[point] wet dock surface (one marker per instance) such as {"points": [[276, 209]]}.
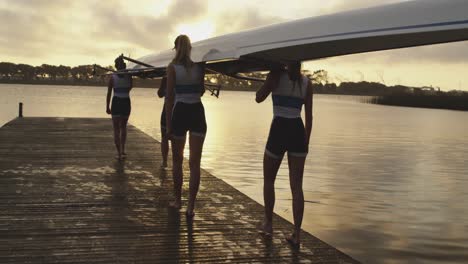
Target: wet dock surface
{"points": [[64, 198]]}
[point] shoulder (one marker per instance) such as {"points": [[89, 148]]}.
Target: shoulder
{"points": [[171, 67], [170, 70]]}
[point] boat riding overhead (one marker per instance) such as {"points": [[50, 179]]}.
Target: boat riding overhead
{"points": [[407, 24]]}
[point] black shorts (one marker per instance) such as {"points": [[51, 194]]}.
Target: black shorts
{"points": [[286, 134], [121, 107], [162, 122], [188, 117]]}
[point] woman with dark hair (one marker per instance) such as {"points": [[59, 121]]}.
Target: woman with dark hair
{"points": [[290, 90], [120, 85], [185, 113]]}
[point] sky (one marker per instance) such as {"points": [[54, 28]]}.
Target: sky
{"points": [[90, 31]]}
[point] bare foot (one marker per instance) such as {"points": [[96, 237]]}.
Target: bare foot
{"points": [[175, 205], [189, 214], [294, 240], [265, 228]]}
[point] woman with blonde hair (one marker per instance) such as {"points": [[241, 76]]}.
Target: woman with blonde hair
{"points": [[289, 90], [185, 113]]}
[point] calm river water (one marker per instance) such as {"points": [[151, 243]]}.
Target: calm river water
{"points": [[384, 184]]}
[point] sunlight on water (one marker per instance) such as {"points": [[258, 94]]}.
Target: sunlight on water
{"points": [[383, 184]]}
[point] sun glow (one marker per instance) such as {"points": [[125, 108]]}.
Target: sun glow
{"points": [[197, 31]]}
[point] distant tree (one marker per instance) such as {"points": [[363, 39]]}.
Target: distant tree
{"points": [[50, 71], [39, 72], [318, 76], [26, 72], [64, 71], [399, 89], [82, 72], [330, 88], [7, 69], [363, 88], [75, 73], [86, 71]]}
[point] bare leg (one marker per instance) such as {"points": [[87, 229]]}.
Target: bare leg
{"points": [[164, 150], [196, 148], [296, 173], [270, 169], [116, 124], [177, 172], [123, 134]]}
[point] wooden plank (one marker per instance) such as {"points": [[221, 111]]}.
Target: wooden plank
{"points": [[65, 199]]}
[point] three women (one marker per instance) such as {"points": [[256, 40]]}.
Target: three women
{"points": [[184, 112]]}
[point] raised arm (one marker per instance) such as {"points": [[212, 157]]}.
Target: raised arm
{"points": [[170, 95], [308, 111], [110, 84], [162, 87], [270, 83]]}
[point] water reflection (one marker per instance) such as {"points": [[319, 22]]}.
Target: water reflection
{"points": [[119, 191], [384, 184]]}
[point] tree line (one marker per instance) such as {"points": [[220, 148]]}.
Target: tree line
{"points": [[12, 71], [83, 75]]}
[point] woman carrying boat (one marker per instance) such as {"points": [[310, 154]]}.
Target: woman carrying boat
{"points": [[185, 113], [290, 90], [120, 85], [164, 139]]}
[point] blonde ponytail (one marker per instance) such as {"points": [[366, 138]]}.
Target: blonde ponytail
{"points": [[183, 49]]}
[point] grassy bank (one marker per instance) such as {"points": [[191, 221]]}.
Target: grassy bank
{"points": [[452, 101]]}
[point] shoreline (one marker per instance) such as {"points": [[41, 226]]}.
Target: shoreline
{"points": [[456, 102]]}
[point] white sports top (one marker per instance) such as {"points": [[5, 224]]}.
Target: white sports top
{"points": [[187, 84], [122, 85], [288, 97]]}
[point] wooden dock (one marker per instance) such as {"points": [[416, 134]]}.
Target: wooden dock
{"points": [[65, 199]]}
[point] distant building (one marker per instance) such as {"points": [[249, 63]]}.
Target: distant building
{"points": [[428, 90], [424, 90]]}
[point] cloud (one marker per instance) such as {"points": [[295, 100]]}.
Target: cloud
{"points": [[52, 29], [139, 34], [142, 30], [24, 33]]}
